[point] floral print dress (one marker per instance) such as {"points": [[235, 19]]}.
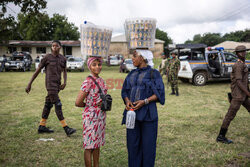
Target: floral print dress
{"points": [[93, 117]]}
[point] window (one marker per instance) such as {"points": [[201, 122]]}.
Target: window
{"points": [[41, 50], [11, 49], [68, 50], [26, 49], [230, 57], [197, 55]]}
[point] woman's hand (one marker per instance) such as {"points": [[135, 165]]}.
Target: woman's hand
{"points": [[80, 99], [138, 104], [129, 104]]}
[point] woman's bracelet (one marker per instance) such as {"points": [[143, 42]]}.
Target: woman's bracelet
{"points": [[146, 101]]}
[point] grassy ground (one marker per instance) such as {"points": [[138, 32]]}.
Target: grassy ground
{"points": [[188, 126]]}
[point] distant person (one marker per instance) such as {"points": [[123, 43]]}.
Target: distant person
{"points": [[54, 64], [173, 69], [121, 65], [94, 119], [3, 63], [40, 59], [213, 64], [239, 92], [162, 66], [109, 57]]}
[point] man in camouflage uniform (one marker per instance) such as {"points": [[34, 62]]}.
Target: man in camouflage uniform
{"points": [[172, 71], [240, 92]]}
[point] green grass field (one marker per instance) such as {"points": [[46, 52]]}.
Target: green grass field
{"points": [[188, 126]]}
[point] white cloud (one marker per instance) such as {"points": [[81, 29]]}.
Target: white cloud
{"points": [[180, 18]]}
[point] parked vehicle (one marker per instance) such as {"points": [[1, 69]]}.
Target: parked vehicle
{"points": [[127, 66], [19, 61], [68, 56], [37, 62], [75, 63], [120, 58], [200, 66], [114, 61]]}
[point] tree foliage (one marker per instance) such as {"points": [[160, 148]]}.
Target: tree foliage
{"points": [[61, 29], [42, 27], [238, 36], [159, 34], [8, 23], [212, 39]]}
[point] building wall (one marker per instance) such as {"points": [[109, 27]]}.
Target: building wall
{"points": [[76, 51], [121, 48], [115, 48]]}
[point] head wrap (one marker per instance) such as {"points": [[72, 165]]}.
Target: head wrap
{"points": [[92, 59], [147, 55]]}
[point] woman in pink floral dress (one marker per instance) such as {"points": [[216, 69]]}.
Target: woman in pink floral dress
{"points": [[93, 116]]}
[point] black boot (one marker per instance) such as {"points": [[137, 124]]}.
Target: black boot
{"points": [[221, 138], [69, 131], [173, 93], [176, 92], [44, 129]]}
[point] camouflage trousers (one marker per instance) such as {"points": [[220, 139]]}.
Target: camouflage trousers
{"points": [[173, 80], [232, 111]]}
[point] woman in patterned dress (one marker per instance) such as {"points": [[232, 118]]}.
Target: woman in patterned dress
{"points": [[93, 117]]}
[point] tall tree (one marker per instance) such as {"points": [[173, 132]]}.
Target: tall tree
{"points": [[41, 27], [211, 39], [238, 36], [159, 34], [61, 29], [8, 23], [33, 27]]}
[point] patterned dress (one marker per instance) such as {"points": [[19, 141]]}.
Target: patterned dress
{"points": [[93, 117]]}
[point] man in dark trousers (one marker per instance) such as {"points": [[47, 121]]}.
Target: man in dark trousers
{"points": [[3, 63], [54, 64], [240, 92]]}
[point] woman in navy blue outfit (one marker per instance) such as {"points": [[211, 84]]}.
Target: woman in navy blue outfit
{"points": [[142, 88]]}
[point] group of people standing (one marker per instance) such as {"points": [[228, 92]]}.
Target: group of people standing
{"points": [[170, 67], [142, 89]]}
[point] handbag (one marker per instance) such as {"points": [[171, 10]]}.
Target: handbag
{"points": [[106, 99]]}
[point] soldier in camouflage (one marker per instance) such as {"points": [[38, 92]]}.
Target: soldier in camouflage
{"points": [[172, 71]]}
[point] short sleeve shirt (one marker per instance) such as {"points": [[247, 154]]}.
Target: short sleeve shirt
{"points": [[240, 72], [54, 66]]}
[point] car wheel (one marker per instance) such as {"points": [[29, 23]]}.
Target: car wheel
{"points": [[82, 70], [200, 79]]}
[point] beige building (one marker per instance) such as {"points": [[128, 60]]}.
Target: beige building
{"points": [[37, 48], [119, 46]]}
